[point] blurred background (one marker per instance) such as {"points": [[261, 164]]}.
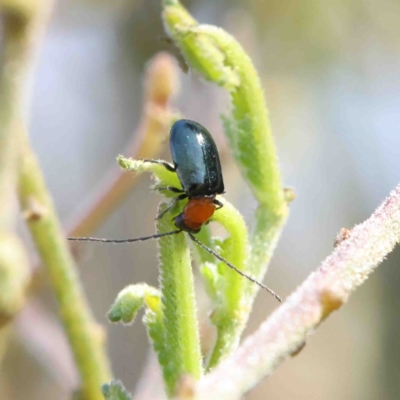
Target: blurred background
{"points": [[331, 76]]}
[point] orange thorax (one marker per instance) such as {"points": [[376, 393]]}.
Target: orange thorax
{"points": [[198, 211]]}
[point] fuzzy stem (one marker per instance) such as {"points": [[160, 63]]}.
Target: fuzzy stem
{"points": [[249, 131], [219, 58], [20, 24], [24, 23], [263, 241], [230, 314], [160, 87], [285, 332], [180, 320], [85, 337]]}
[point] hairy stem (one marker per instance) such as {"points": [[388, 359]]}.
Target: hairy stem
{"points": [[183, 355], [19, 27], [219, 58], [85, 336], [285, 332], [230, 314]]}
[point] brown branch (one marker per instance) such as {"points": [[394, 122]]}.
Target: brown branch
{"points": [[285, 332]]}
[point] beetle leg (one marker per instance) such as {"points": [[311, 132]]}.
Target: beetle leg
{"points": [[218, 204], [172, 204], [165, 164], [171, 189]]}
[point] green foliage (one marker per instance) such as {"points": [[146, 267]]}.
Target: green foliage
{"points": [[212, 280], [115, 390], [248, 128], [162, 176], [183, 354], [230, 289], [130, 300], [226, 287], [14, 277], [83, 333], [127, 304], [219, 58]]}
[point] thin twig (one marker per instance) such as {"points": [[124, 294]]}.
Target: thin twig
{"points": [[286, 331]]}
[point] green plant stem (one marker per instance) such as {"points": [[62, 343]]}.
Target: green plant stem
{"points": [[249, 131], [264, 239], [85, 336], [286, 331], [23, 24], [251, 138], [230, 314], [153, 319], [179, 307], [167, 178], [19, 27], [130, 300], [10, 108], [115, 390], [205, 237], [234, 251], [219, 58]]}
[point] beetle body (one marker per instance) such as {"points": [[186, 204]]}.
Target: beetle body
{"points": [[196, 162], [196, 159], [196, 213]]}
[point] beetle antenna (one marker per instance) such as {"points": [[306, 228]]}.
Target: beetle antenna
{"points": [[159, 235], [141, 239], [234, 268]]}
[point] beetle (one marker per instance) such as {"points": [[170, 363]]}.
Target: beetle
{"points": [[196, 162], [198, 167]]}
